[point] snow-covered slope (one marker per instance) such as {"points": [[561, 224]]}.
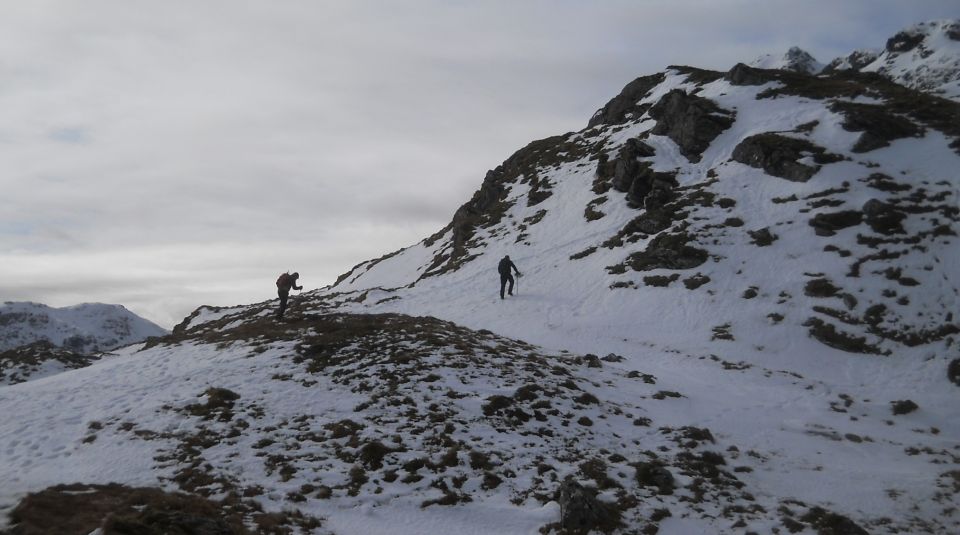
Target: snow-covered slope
{"points": [[737, 314], [925, 56], [85, 329]]}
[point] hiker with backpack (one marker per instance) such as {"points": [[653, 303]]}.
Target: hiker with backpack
{"points": [[505, 275], [284, 282]]}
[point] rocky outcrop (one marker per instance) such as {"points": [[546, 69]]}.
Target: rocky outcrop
{"points": [[579, 508], [778, 156], [628, 174], [904, 41], [625, 105], [742, 74], [692, 122], [879, 126], [883, 218], [854, 61], [827, 224], [668, 251]]}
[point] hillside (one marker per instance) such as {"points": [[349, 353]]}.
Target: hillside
{"points": [[736, 315]]}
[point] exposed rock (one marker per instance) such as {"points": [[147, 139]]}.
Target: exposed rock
{"points": [[903, 406], [879, 127], [828, 523], [668, 251], [855, 61], [778, 156], [953, 371], [883, 218], [827, 334], [820, 288], [579, 507], [904, 41], [691, 122], [827, 224], [624, 106], [114, 509], [762, 237], [654, 474], [742, 74]]}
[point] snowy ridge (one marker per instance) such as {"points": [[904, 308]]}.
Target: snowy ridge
{"points": [[84, 329], [795, 59]]}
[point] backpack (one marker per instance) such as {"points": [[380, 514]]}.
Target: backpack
{"points": [[284, 280]]}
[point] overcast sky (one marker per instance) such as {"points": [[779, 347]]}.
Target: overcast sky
{"points": [[169, 154]]}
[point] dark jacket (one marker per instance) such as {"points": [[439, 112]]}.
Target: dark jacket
{"points": [[505, 265], [286, 281]]}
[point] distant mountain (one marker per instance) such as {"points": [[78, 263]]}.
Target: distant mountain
{"points": [[82, 329], [796, 60]]}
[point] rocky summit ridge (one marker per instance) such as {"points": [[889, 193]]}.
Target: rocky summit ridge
{"points": [[736, 315]]}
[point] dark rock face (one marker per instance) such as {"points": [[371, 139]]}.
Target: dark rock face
{"points": [[777, 155], [904, 42], [742, 74], [820, 288], [903, 406], [668, 251], [634, 177], [691, 122], [857, 60], [883, 218], [625, 104], [827, 224], [953, 371], [762, 237], [829, 523], [654, 474], [879, 127], [579, 507]]}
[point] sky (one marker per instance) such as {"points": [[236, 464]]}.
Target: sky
{"points": [[167, 155]]}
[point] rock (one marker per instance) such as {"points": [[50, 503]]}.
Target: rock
{"points": [[883, 218], [827, 224], [636, 178], [593, 361], [762, 237], [613, 357], [668, 251], [741, 74], [879, 127], [624, 105], [820, 288], [828, 523], [654, 474], [579, 507], [691, 122], [778, 156], [953, 371], [903, 406], [904, 41]]}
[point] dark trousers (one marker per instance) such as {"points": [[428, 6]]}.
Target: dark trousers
{"points": [[283, 303], [504, 277]]}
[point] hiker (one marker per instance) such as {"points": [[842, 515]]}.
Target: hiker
{"points": [[505, 275], [284, 282]]}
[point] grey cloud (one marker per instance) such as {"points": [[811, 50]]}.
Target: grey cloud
{"points": [[169, 155]]}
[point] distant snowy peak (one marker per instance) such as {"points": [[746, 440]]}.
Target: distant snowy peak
{"points": [[856, 60], [925, 56], [796, 59], [83, 329]]}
